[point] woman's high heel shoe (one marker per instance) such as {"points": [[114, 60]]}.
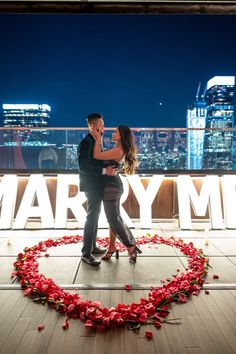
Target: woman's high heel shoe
{"points": [[108, 255], [134, 253]]}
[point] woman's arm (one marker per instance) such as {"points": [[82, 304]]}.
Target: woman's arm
{"points": [[112, 154]]}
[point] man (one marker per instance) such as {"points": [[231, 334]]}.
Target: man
{"points": [[91, 172]]}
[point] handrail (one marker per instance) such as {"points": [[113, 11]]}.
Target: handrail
{"points": [[112, 128]]}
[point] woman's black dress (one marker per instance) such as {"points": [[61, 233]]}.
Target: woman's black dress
{"points": [[112, 191]]}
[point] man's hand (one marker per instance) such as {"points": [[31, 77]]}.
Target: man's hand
{"points": [[111, 171]]}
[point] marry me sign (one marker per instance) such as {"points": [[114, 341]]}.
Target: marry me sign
{"points": [[215, 197]]}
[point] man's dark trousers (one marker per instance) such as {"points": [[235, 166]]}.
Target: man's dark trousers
{"points": [[94, 200]]}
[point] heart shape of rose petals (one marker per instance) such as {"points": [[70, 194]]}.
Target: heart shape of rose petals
{"points": [[149, 310]]}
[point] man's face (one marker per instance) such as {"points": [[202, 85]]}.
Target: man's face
{"points": [[99, 125]]}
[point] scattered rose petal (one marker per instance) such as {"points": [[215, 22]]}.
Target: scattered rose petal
{"points": [[41, 327], [65, 324], [157, 324], [128, 287], [149, 335], [215, 276], [207, 292]]}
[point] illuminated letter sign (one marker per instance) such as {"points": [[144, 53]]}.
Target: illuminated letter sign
{"points": [[209, 197], [36, 187], [229, 198], [145, 197], [187, 196], [64, 202], [8, 188]]}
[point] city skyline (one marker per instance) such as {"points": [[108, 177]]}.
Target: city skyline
{"points": [[142, 70]]}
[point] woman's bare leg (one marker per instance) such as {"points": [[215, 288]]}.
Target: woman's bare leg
{"points": [[112, 241]]}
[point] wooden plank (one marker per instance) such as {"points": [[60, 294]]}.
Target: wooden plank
{"points": [[72, 341], [215, 332], [224, 306], [26, 342], [15, 336], [160, 340], [11, 317], [194, 351], [38, 316], [110, 341], [160, 343], [57, 338], [4, 295], [130, 339], [175, 338], [189, 307], [233, 292], [43, 338], [200, 328], [146, 345], [30, 309], [220, 318], [9, 304], [187, 332]]}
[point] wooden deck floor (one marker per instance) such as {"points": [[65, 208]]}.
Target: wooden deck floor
{"points": [[208, 325], [208, 322]]}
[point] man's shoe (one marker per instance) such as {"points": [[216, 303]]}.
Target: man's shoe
{"points": [[99, 250], [91, 260]]}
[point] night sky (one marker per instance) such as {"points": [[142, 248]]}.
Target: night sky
{"points": [[139, 70]]}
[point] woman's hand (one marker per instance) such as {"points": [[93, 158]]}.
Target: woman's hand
{"points": [[96, 134]]}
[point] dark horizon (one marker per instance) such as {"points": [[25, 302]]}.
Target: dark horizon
{"points": [[141, 70]]}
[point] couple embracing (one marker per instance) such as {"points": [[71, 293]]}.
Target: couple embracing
{"points": [[100, 181]]}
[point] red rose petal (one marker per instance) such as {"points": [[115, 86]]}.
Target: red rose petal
{"points": [[128, 287], [215, 276], [149, 335], [41, 327]]}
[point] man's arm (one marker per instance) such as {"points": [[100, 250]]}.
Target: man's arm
{"points": [[85, 155]]}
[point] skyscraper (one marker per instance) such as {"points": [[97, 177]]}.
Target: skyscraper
{"points": [[219, 115], [26, 116], [196, 119]]}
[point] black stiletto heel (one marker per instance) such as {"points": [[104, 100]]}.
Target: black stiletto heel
{"points": [[109, 254], [134, 253]]}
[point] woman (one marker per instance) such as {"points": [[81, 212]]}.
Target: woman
{"points": [[124, 151]]}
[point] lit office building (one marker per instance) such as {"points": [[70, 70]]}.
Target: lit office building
{"points": [[219, 114], [196, 119], [26, 116]]}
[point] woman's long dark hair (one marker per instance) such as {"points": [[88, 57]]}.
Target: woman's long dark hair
{"points": [[129, 148]]}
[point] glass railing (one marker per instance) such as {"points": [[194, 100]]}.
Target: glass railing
{"points": [[54, 150]]}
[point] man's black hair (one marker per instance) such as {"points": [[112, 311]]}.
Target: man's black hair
{"points": [[93, 117]]}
